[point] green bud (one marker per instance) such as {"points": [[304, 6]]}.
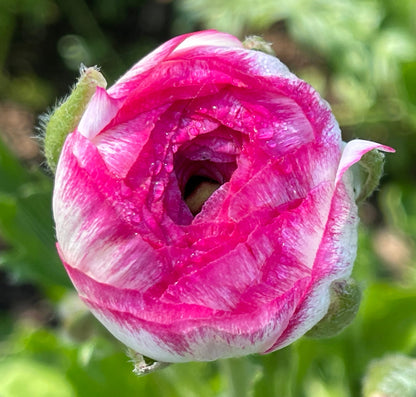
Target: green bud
{"points": [[144, 365], [345, 302], [367, 173], [257, 43], [391, 376], [66, 116]]}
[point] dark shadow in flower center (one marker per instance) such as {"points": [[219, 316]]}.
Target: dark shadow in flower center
{"points": [[203, 164], [197, 190]]}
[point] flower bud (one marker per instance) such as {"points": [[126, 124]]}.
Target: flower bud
{"points": [[391, 376], [204, 204], [65, 117], [367, 173], [345, 302], [257, 43]]}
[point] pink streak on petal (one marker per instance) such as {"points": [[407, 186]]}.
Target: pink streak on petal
{"points": [[176, 333], [282, 180], [128, 138], [93, 215], [101, 109], [333, 261], [133, 76], [179, 44], [267, 74], [353, 152]]}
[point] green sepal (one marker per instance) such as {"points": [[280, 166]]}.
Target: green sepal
{"points": [[66, 116], [367, 174], [345, 302]]}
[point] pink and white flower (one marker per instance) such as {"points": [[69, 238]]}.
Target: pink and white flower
{"points": [[177, 277]]}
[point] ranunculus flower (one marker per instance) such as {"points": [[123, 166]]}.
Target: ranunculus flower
{"points": [[203, 204]]}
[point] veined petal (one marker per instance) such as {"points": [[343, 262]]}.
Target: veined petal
{"points": [[94, 227], [179, 333], [333, 261], [184, 42]]}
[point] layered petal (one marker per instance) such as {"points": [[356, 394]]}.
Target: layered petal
{"points": [[209, 38]]}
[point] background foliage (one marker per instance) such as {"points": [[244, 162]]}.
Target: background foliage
{"points": [[360, 55]]}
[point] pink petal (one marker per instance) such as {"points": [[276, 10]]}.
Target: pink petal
{"points": [[128, 139], [94, 227], [333, 261], [178, 333], [178, 44], [352, 153]]}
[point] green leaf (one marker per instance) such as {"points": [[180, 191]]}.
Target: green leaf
{"points": [[12, 173], [22, 377], [409, 80], [387, 320], [100, 367], [26, 223]]}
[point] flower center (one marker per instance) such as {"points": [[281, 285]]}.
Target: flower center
{"points": [[197, 190], [203, 165]]}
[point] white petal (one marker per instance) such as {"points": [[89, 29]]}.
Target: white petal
{"points": [[100, 111]]}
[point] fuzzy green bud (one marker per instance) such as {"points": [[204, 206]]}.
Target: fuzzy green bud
{"points": [[257, 43], [367, 173], [345, 302], [65, 117]]}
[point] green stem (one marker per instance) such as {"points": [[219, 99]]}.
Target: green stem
{"points": [[240, 374], [279, 371]]}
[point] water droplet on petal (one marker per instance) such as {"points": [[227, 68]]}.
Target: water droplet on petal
{"points": [[156, 167], [195, 257], [265, 134], [169, 166]]}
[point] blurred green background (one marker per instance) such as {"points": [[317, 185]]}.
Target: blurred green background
{"points": [[361, 57]]}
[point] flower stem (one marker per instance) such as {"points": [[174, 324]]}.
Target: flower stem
{"points": [[240, 374]]}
